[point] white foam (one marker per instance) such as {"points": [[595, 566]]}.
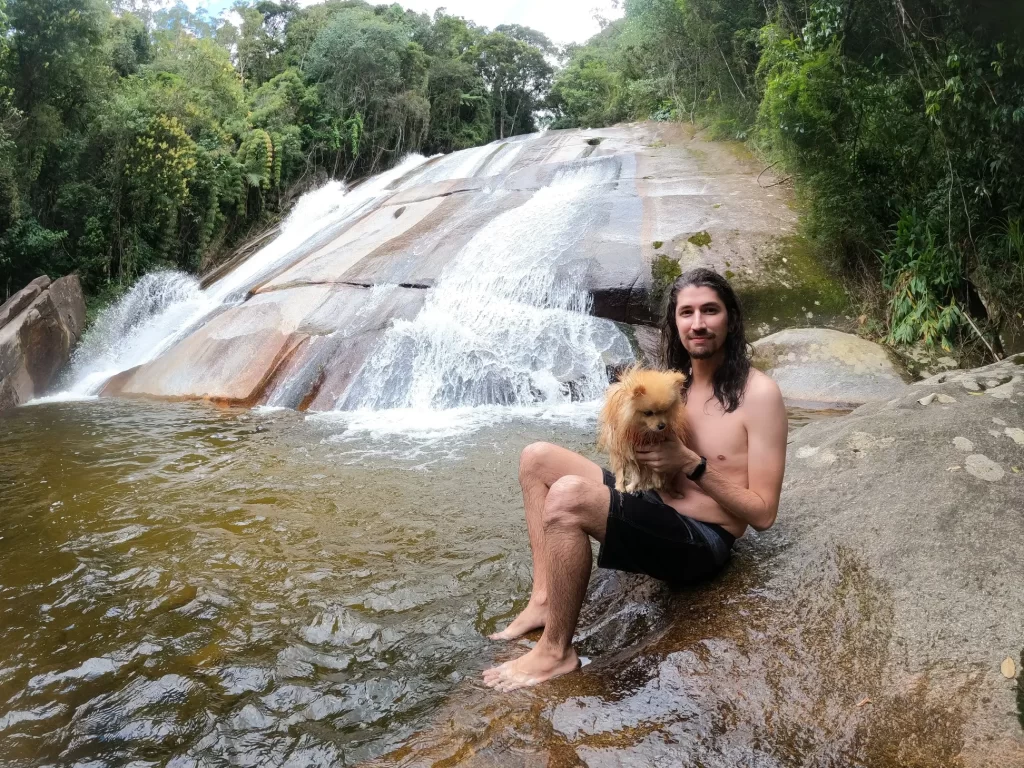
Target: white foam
{"points": [[60, 397], [509, 328]]}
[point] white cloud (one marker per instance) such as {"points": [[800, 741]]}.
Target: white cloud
{"points": [[564, 21]]}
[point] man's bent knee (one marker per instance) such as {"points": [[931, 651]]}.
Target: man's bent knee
{"points": [[533, 458], [566, 501]]}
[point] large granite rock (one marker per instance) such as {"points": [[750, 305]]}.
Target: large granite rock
{"points": [[39, 326], [870, 627], [284, 347], [613, 212], [824, 368]]}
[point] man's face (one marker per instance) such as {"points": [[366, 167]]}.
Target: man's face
{"points": [[701, 320]]}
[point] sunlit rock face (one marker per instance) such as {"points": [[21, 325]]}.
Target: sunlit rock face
{"points": [[491, 276]]}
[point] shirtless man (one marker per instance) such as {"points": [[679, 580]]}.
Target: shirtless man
{"points": [[731, 480]]}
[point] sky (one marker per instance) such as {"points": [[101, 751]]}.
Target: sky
{"points": [[564, 21]]}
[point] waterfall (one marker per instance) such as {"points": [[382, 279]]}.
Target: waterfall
{"points": [[505, 327], [157, 311], [507, 322], [163, 307], [317, 214]]}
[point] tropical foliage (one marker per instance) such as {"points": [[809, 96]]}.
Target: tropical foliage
{"points": [[901, 121], [135, 136]]}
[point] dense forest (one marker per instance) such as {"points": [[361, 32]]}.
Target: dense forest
{"points": [[900, 121], [134, 137]]}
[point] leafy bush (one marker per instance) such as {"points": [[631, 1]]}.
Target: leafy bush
{"points": [[923, 280]]}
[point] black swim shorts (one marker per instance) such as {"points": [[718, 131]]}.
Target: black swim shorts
{"points": [[646, 535]]}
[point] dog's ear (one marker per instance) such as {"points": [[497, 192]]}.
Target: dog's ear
{"points": [[679, 378], [639, 390]]}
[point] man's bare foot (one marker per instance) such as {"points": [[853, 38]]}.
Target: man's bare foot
{"points": [[535, 667], [534, 616]]}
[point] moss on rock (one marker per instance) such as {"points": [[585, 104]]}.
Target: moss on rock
{"points": [[664, 271], [701, 239], [794, 288]]}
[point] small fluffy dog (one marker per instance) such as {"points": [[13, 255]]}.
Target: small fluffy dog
{"points": [[641, 409]]}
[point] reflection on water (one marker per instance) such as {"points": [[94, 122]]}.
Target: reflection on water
{"points": [[184, 584], [182, 581]]}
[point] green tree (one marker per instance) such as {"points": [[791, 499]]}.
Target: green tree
{"points": [[517, 76]]}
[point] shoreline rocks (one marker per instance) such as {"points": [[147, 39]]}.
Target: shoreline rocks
{"points": [[39, 327], [877, 624], [820, 368]]}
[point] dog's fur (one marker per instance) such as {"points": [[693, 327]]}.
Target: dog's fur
{"points": [[641, 409]]}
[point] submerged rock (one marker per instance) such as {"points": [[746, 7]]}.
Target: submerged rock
{"points": [[823, 368], [869, 627], [39, 326]]}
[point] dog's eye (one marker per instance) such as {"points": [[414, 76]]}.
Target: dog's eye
{"points": [[648, 413]]}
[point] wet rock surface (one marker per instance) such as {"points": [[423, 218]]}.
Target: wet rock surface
{"points": [[825, 368], [867, 628], [39, 327], [609, 213]]}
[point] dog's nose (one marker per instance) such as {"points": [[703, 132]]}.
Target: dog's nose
{"points": [[661, 425]]}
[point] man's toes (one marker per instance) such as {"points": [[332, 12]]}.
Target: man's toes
{"points": [[515, 684], [493, 674]]}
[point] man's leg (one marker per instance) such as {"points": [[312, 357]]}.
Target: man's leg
{"points": [[540, 466], [576, 509]]}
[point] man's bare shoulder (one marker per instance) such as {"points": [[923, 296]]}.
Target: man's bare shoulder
{"points": [[762, 394]]}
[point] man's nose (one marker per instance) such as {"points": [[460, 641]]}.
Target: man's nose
{"points": [[698, 320]]}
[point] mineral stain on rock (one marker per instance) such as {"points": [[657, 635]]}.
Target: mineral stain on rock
{"points": [[983, 468]]}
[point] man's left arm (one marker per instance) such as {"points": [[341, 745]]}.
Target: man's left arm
{"points": [[767, 427]]}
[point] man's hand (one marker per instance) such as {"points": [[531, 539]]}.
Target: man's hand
{"points": [[669, 458]]}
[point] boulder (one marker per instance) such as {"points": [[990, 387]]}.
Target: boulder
{"points": [[878, 623], [16, 303], [824, 368], [43, 322]]}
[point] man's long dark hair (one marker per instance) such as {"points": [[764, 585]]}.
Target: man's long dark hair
{"points": [[730, 379]]}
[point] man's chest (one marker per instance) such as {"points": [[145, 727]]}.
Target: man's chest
{"points": [[720, 436]]}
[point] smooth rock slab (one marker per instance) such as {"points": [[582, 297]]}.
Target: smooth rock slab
{"points": [[823, 368], [868, 627]]}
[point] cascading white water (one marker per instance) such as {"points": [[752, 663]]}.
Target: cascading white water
{"points": [[504, 159], [164, 306], [507, 323], [142, 324], [315, 212], [457, 165]]}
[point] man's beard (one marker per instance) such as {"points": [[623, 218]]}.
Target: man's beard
{"points": [[706, 352]]}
